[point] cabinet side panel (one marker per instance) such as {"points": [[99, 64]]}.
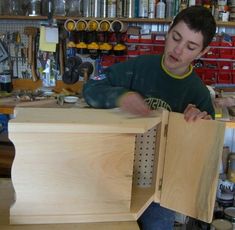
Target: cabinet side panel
{"points": [[75, 174]]}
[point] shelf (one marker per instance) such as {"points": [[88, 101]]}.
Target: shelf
{"points": [[128, 20], [7, 17]]}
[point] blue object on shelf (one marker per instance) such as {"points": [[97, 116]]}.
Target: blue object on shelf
{"points": [[4, 123]]}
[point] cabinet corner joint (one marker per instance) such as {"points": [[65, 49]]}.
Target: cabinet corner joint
{"points": [[165, 130]]}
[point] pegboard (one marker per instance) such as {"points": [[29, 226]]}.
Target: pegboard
{"points": [[7, 28], [145, 153]]}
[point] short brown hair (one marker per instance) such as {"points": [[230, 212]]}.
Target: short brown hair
{"points": [[199, 19]]}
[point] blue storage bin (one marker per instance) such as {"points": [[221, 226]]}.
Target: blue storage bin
{"points": [[4, 123]]}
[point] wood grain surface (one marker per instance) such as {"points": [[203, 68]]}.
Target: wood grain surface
{"points": [[73, 165], [79, 120], [7, 199], [191, 168]]}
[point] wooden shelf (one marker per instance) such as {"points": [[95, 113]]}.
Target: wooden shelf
{"points": [[18, 17], [28, 84], [128, 20]]}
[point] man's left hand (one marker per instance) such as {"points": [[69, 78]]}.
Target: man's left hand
{"points": [[192, 114]]}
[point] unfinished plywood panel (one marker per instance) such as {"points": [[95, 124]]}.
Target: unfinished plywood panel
{"points": [[77, 120], [61, 175], [191, 166]]}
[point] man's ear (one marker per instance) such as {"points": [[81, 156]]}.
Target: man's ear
{"points": [[203, 52]]}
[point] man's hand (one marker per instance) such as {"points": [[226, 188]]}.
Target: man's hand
{"points": [[191, 114], [133, 103]]}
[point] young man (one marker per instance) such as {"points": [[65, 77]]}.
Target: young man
{"points": [[148, 82]]}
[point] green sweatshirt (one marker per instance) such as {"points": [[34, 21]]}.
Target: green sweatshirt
{"points": [[146, 75]]}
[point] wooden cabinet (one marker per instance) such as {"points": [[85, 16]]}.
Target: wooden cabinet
{"points": [[76, 165]]}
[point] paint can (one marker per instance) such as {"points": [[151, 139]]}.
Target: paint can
{"points": [[221, 224], [224, 193], [229, 214]]}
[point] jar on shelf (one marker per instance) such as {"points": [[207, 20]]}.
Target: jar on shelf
{"points": [[34, 8], [5, 81], [5, 7], [59, 7], [15, 7], [73, 8]]}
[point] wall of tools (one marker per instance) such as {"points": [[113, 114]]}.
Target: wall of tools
{"points": [[97, 44], [92, 43]]}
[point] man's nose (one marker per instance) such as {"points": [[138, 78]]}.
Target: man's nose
{"points": [[179, 48]]}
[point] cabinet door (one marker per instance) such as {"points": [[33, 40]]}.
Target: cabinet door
{"points": [[192, 157]]}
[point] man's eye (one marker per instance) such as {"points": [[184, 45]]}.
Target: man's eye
{"points": [[191, 48], [176, 38]]}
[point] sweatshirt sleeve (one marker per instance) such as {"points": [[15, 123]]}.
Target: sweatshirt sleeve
{"points": [[115, 81]]}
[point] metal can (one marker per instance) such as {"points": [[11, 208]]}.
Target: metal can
{"points": [[86, 8], [129, 8], [119, 8], [59, 7], [35, 8], [229, 214], [103, 8], [111, 8], [221, 224], [95, 8], [143, 9]]}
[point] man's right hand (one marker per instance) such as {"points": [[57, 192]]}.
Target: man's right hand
{"points": [[134, 103]]}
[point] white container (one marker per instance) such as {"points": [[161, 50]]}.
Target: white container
{"points": [[151, 9], [111, 8], [143, 9], [222, 2], [161, 9], [191, 2]]}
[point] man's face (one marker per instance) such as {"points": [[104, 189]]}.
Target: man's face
{"points": [[182, 47]]}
